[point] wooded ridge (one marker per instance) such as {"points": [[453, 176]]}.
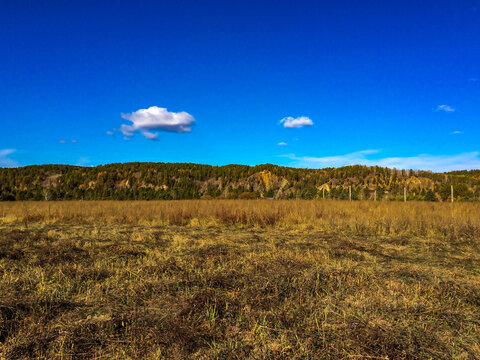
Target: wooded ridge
{"points": [[172, 181]]}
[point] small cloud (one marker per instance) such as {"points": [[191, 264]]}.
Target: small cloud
{"points": [[281, 143], [473, 79], [62, 141], [127, 130], [126, 138], [456, 132], [5, 161], [463, 161], [291, 122], [109, 132], [156, 118], [150, 135], [445, 108], [74, 141]]}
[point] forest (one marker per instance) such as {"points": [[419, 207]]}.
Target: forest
{"points": [[182, 181]]}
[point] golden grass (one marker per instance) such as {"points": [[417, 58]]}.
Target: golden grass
{"points": [[239, 280], [379, 218]]}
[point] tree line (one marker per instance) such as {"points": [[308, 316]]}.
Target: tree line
{"points": [[176, 181]]}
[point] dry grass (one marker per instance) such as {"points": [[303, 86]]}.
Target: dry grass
{"points": [[239, 280], [370, 218]]}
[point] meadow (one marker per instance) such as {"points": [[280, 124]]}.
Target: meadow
{"points": [[239, 279]]}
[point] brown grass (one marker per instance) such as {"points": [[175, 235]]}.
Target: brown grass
{"points": [[372, 218], [239, 280]]}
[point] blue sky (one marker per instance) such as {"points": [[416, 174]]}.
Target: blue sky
{"points": [[393, 83]]}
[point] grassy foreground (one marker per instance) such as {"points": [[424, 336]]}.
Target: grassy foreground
{"points": [[239, 280]]}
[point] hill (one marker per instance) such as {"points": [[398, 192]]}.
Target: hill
{"points": [[172, 181]]}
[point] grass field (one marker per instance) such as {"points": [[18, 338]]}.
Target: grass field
{"points": [[239, 280]]}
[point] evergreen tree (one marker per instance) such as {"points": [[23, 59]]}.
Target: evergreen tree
{"points": [[430, 196]]}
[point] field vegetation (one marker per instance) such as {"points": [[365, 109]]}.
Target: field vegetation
{"points": [[239, 279]]}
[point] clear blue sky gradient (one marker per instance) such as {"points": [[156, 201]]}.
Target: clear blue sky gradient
{"points": [[370, 74]]}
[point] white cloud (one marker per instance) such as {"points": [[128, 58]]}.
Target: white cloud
{"points": [[456, 132], [62, 141], [464, 161], [281, 143], [150, 135], [156, 118], [74, 141], [291, 122], [5, 161], [127, 130], [109, 132], [445, 108]]}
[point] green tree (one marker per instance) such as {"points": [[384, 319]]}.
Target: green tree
{"points": [[430, 196]]}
